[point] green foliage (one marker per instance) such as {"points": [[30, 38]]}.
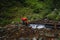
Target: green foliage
{"points": [[58, 17], [52, 15], [13, 10]]}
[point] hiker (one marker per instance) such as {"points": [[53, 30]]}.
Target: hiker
{"points": [[24, 21]]}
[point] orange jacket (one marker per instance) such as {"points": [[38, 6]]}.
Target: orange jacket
{"points": [[24, 19]]}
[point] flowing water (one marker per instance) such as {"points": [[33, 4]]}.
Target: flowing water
{"points": [[39, 26]]}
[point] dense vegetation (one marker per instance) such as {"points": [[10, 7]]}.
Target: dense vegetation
{"points": [[13, 10]]}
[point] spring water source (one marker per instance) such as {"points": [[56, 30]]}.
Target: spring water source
{"points": [[39, 26]]}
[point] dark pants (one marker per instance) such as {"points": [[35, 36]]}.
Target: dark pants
{"points": [[24, 23]]}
